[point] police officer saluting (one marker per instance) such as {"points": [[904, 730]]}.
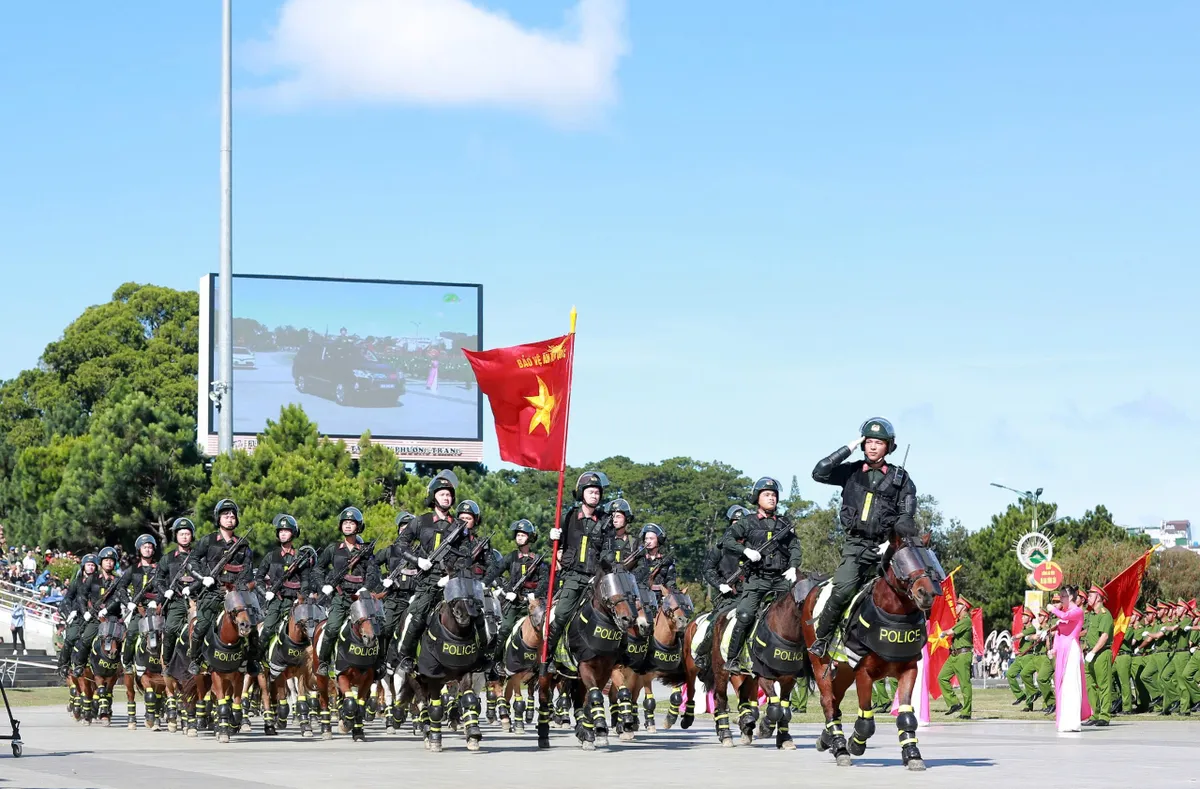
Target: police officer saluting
{"points": [[174, 598], [773, 569], [356, 582], [238, 573], [877, 500], [276, 564], [142, 576], [582, 537]]}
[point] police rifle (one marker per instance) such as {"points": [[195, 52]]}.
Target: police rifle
{"points": [[137, 599], [306, 555], [104, 600], [366, 550], [789, 528], [628, 562], [537, 560], [444, 548], [219, 567]]}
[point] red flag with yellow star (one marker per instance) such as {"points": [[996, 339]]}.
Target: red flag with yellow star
{"points": [[940, 622], [529, 389], [1122, 594]]}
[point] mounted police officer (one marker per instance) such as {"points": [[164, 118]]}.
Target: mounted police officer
{"points": [[619, 544], [772, 562], [238, 573], [720, 564], [173, 565], [582, 535], [432, 529], [276, 565], [399, 576], [357, 581], [477, 567], [142, 576], [92, 589], [877, 500], [68, 610], [655, 569], [518, 564]]}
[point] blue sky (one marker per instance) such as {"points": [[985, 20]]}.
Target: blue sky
{"points": [[776, 220]]}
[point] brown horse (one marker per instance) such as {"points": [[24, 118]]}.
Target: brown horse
{"points": [[593, 639], [355, 657], [226, 648], [148, 671], [290, 662], [663, 661], [94, 686], [887, 630], [520, 665]]}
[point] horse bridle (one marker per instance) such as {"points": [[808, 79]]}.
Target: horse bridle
{"points": [[907, 584]]}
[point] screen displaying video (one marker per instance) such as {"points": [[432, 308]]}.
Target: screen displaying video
{"points": [[357, 355]]}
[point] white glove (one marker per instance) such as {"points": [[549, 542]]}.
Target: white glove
{"points": [[269, 596], [208, 581], [87, 616], [497, 592], [424, 564], [388, 583], [362, 591], [790, 574], [1187, 628], [555, 534], [1090, 657], [1192, 650], [445, 579], [531, 597], [1137, 650], [152, 605], [510, 596], [752, 555], [71, 616], [326, 589], [169, 594], [725, 589], [187, 590]]}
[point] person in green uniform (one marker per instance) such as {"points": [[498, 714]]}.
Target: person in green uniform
{"points": [[1175, 692], [1097, 661], [1141, 657], [1123, 667], [1040, 665], [1155, 645], [959, 663], [1022, 644], [1191, 672]]}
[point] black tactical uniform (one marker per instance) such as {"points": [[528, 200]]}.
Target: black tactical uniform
{"points": [[399, 578], [755, 531], [433, 529], [582, 543], [876, 502], [174, 600], [142, 577], [655, 571], [91, 590], [364, 575], [238, 574], [277, 564], [512, 568], [68, 611], [619, 545]]}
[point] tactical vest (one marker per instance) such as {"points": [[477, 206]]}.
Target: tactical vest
{"points": [[277, 567], [870, 511], [622, 547], [659, 565], [95, 587], [729, 563], [392, 557], [237, 563], [895, 638], [583, 541], [431, 533], [143, 576], [352, 652], [172, 562], [341, 557], [476, 568], [758, 533], [518, 565]]}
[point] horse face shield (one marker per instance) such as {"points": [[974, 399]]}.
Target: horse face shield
{"points": [[620, 593], [469, 592], [111, 634], [919, 571]]}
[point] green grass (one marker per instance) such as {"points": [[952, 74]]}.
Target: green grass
{"points": [[36, 697]]}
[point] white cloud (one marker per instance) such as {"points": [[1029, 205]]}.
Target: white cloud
{"points": [[443, 52]]}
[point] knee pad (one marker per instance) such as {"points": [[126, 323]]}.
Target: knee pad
{"points": [[649, 703], [595, 697], [745, 617], [864, 726], [906, 721]]}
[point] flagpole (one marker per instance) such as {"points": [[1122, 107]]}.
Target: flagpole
{"points": [[562, 472]]}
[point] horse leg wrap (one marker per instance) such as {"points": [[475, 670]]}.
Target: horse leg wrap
{"points": [[864, 727], [649, 704], [237, 715], [435, 720], [492, 705], [595, 701], [674, 703], [503, 711], [172, 709], [360, 714], [624, 705], [131, 710], [781, 727], [283, 710], [721, 720], [469, 704], [774, 711], [834, 737], [326, 721], [906, 722], [907, 719], [349, 708]]}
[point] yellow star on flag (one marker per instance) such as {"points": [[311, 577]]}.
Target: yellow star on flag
{"points": [[938, 638], [1121, 624], [543, 404]]}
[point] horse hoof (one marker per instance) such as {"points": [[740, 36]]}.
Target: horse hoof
{"points": [[821, 745], [172, 727], [222, 738], [844, 760], [602, 740], [588, 745], [726, 742], [747, 739], [326, 735], [650, 729], [506, 726], [246, 728], [543, 744], [193, 732], [435, 747], [916, 765], [306, 735], [687, 721], [343, 728], [472, 745], [785, 745], [132, 725], [626, 736]]}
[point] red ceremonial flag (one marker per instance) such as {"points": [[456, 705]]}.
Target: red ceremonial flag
{"points": [[1122, 594], [529, 387], [977, 630], [1017, 621], [940, 622]]}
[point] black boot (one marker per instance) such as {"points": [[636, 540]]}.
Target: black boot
{"points": [[551, 647], [737, 639], [408, 649]]}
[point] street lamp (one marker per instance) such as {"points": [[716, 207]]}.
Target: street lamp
{"points": [[1025, 494]]}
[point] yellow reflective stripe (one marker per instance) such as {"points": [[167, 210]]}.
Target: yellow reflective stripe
{"points": [[866, 713], [437, 541], [618, 556], [768, 535], [906, 708], [864, 622], [909, 741], [867, 507], [583, 549]]}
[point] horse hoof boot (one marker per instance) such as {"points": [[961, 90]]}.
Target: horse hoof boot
{"points": [[822, 745], [844, 760], [626, 736], [686, 721], [785, 744], [132, 724], [916, 765], [358, 736], [269, 730], [856, 749], [473, 745], [587, 745]]}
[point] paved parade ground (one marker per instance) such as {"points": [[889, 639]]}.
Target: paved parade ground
{"points": [[61, 754]]}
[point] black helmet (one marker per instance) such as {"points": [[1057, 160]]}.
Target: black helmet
{"points": [[445, 480], [284, 521], [403, 519], [222, 506], [142, 540], [655, 529], [179, 524], [471, 507], [524, 526], [878, 427], [590, 479], [108, 553], [88, 557], [621, 506], [351, 514], [764, 483], [735, 512]]}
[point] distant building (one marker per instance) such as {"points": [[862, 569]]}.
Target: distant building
{"points": [[1171, 534]]}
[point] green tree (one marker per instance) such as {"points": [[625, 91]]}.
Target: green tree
{"points": [[991, 571], [1174, 574], [1097, 561], [1095, 525]]}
